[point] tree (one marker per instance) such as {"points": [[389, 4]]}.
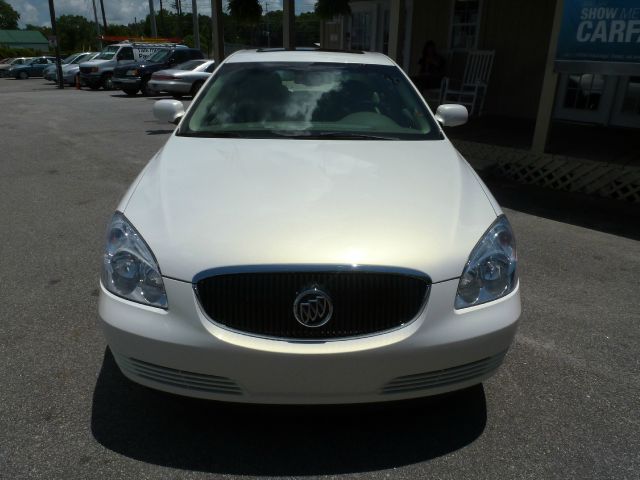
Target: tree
{"points": [[76, 32], [245, 11], [327, 9], [8, 16]]}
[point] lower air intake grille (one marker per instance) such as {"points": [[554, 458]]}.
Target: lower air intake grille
{"points": [[178, 378], [442, 378], [364, 302]]}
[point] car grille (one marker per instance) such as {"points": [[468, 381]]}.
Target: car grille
{"points": [[442, 378], [177, 378], [85, 69], [364, 302]]}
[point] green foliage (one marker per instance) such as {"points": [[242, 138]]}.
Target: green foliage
{"points": [[327, 9], [8, 16], [76, 33], [245, 11], [18, 52]]}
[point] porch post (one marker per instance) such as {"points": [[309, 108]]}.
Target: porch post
{"points": [[549, 84], [396, 20], [288, 18], [217, 31]]}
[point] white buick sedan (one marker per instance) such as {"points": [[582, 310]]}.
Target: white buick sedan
{"points": [[308, 234]]}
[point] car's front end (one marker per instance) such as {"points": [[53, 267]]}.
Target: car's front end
{"points": [[278, 250], [128, 77], [97, 73], [69, 73], [19, 71], [50, 73]]}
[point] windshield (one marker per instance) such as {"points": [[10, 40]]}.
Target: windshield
{"points": [[159, 56], [107, 53], [68, 59], [81, 58], [310, 100], [189, 65]]}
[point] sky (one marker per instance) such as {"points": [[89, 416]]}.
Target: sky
{"points": [[36, 12]]}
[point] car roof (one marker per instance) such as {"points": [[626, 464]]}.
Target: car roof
{"points": [[329, 56]]}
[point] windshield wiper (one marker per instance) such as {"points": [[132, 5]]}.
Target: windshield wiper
{"points": [[211, 134], [309, 135], [348, 136]]}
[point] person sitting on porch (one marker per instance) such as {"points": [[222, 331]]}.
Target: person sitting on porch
{"points": [[430, 68]]}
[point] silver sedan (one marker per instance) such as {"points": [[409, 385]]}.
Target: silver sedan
{"points": [[184, 79]]}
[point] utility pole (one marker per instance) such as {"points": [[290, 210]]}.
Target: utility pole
{"points": [[217, 32], [152, 15], [196, 24], [95, 16], [52, 13], [266, 17], [161, 18], [288, 29], [178, 7], [104, 17]]}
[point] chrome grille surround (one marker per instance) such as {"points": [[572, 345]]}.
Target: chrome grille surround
{"points": [[294, 279]]}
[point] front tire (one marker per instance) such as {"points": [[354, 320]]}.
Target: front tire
{"points": [[23, 75], [107, 82], [195, 87], [130, 91], [146, 90]]}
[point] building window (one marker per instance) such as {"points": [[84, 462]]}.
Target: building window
{"points": [[584, 91], [465, 24]]}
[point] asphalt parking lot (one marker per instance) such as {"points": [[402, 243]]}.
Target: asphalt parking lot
{"points": [[566, 403]]}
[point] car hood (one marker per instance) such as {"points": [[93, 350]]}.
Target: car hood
{"points": [[206, 203], [93, 63]]}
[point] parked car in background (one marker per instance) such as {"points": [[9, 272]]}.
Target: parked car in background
{"points": [[184, 79], [99, 71], [34, 68], [50, 72], [71, 72], [12, 62], [134, 77]]}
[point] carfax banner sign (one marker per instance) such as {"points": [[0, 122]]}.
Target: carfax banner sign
{"points": [[600, 31]]}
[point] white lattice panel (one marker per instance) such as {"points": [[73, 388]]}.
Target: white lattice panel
{"points": [[619, 182]]}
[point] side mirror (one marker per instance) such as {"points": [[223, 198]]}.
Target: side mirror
{"points": [[168, 111], [452, 115]]}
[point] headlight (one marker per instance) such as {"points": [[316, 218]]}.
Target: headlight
{"points": [[129, 269], [490, 272]]}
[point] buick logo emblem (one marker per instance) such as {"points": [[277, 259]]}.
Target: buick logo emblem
{"points": [[313, 308]]}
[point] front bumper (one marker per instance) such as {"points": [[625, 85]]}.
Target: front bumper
{"points": [[126, 82], [91, 78], [183, 352]]}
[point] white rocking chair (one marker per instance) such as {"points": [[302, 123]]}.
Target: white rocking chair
{"points": [[472, 89]]}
